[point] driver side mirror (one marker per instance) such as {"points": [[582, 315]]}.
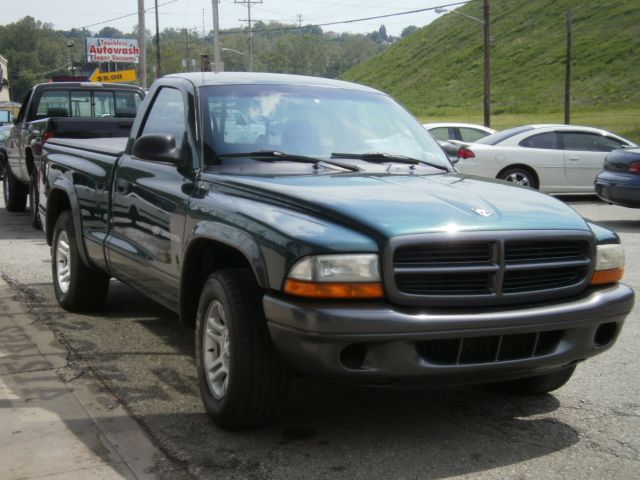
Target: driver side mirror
{"points": [[159, 147]]}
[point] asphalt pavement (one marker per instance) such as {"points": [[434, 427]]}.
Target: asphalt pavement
{"points": [[133, 362]]}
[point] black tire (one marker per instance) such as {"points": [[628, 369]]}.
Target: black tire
{"points": [[539, 384], [252, 382], [15, 193], [519, 176], [33, 203], [77, 287]]}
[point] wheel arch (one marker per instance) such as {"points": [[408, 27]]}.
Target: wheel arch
{"points": [[59, 199], [521, 166], [206, 254]]}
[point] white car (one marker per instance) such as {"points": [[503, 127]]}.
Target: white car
{"points": [[461, 132], [552, 158]]}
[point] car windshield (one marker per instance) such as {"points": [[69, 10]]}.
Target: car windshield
{"points": [[310, 121], [503, 135]]}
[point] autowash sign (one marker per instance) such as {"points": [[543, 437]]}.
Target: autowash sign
{"points": [[124, 50]]}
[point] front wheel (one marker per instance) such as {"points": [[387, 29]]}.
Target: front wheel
{"points": [[76, 286], [519, 176], [15, 193], [539, 384], [243, 383]]}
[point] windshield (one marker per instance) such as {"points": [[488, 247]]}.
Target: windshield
{"points": [[310, 121]]}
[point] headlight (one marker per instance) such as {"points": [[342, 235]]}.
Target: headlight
{"points": [[335, 276], [609, 264]]}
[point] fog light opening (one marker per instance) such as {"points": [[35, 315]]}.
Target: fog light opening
{"points": [[605, 334], [352, 357]]}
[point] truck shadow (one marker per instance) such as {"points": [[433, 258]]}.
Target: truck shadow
{"points": [[17, 226], [145, 358]]}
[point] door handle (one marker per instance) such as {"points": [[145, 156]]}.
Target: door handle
{"points": [[122, 186], [574, 159]]}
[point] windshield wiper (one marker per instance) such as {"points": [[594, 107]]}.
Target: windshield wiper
{"points": [[271, 155], [379, 157]]}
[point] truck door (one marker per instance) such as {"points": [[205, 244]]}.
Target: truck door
{"points": [[148, 207], [14, 141]]}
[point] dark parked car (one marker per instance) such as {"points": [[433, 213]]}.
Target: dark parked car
{"points": [[619, 182]]}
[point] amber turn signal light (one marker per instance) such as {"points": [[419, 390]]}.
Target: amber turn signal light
{"points": [[333, 290], [602, 277]]}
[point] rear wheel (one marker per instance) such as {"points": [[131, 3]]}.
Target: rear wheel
{"points": [[519, 176], [76, 286], [243, 383], [539, 384], [15, 193]]}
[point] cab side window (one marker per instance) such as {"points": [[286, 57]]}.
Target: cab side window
{"points": [[167, 115]]}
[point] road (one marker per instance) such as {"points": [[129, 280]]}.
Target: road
{"points": [[588, 429]]}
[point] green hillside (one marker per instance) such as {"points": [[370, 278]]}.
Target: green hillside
{"points": [[437, 72]]}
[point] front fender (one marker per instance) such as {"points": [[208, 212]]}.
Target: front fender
{"points": [[236, 239]]}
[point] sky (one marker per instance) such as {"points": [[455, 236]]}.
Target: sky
{"points": [[96, 14]]}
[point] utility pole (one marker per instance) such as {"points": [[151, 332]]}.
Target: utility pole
{"points": [[248, 3], [142, 45], [158, 71], [567, 75], [487, 66], [186, 34], [217, 66]]}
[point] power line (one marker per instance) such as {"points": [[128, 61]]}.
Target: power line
{"points": [[128, 15], [280, 29]]}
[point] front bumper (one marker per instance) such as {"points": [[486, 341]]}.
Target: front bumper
{"points": [[378, 343]]}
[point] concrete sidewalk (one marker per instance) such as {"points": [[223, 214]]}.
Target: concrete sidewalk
{"points": [[50, 429]]}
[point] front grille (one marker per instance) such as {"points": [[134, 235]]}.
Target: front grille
{"points": [[445, 284], [490, 268], [443, 254], [543, 279], [544, 251], [496, 348]]}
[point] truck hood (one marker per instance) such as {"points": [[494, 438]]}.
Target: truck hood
{"points": [[393, 205]]}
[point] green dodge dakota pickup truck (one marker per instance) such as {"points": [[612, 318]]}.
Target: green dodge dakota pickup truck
{"points": [[313, 226]]}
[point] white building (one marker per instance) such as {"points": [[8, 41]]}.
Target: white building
{"points": [[4, 80]]}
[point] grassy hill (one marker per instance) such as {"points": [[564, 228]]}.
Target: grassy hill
{"points": [[437, 72]]}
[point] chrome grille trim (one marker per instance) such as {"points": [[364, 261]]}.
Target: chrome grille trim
{"points": [[502, 268]]}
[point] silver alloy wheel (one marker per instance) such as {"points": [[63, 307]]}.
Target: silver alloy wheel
{"points": [[63, 262], [216, 350], [518, 178]]}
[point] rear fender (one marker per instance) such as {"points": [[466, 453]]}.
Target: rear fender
{"points": [[63, 188]]}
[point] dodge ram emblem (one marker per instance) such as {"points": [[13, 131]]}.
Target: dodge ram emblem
{"points": [[483, 212]]}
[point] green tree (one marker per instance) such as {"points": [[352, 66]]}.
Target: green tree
{"points": [[34, 51]]}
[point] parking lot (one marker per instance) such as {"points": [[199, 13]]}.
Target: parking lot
{"points": [[143, 359]]}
